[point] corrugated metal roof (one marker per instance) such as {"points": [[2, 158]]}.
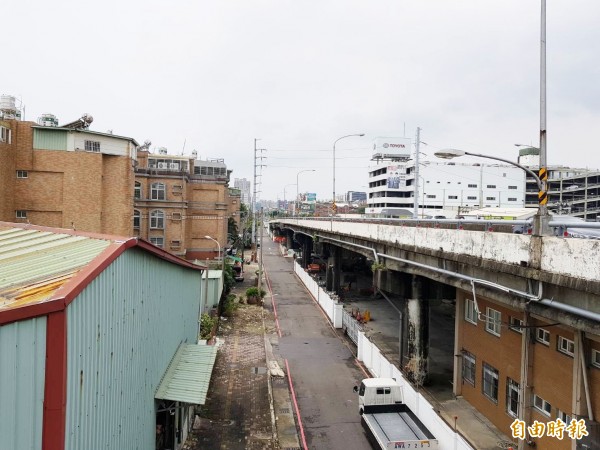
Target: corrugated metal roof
{"points": [[188, 375], [36, 263]]}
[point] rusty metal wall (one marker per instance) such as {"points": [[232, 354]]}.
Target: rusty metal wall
{"points": [[123, 330]]}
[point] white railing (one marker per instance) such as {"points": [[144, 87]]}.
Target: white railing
{"points": [[379, 366], [331, 307]]}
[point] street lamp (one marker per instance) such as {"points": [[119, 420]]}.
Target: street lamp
{"points": [[335, 142], [541, 219], [297, 193], [222, 258]]}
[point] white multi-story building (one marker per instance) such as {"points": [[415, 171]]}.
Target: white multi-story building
{"points": [[443, 186], [244, 186]]}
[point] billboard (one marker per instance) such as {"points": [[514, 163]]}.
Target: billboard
{"points": [[392, 147], [396, 177], [308, 197]]}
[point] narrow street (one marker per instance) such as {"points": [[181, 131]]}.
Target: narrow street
{"points": [[321, 364]]}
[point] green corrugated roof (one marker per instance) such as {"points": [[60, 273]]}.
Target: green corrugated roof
{"points": [[188, 375], [31, 257]]}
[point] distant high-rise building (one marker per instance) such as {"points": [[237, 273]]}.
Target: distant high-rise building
{"points": [[356, 197], [244, 186]]}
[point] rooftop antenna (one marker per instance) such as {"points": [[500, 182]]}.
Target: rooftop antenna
{"points": [[183, 149]]}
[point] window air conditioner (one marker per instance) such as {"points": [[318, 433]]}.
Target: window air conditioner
{"points": [[163, 165]]}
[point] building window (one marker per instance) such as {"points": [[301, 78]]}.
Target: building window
{"points": [[92, 146], [21, 174], [490, 382], [491, 186], [470, 311], [468, 367], [5, 135], [543, 336], [542, 405], [512, 199], [430, 196], [472, 185], [137, 191], [158, 241], [176, 216], [566, 346], [21, 214], [157, 191], [136, 219], [471, 198], [512, 187], [596, 358], [566, 418], [493, 320], [490, 198], [512, 397], [453, 197], [515, 324], [157, 219]]}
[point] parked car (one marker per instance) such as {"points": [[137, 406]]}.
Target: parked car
{"points": [[568, 230]]}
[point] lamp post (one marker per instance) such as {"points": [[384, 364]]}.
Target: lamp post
{"points": [[335, 142], [541, 222], [297, 189], [222, 259]]}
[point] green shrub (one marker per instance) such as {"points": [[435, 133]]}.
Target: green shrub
{"points": [[230, 305], [253, 292], [207, 325]]}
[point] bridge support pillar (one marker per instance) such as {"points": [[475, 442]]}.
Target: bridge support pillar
{"points": [[307, 248], [333, 273], [417, 366]]}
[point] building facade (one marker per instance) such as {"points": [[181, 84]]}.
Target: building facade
{"points": [[244, 186], [571, 191], [66, 177], [560, 362], [455, 186], [179, 201]]}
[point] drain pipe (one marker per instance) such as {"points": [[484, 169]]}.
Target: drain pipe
{"points": [[529, 297], [364, 247]]}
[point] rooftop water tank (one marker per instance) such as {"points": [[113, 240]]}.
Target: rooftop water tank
{"points": [[8, 109], [162, 150]]}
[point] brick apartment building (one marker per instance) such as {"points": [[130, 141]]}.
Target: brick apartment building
{"points": [[563, 367], [72, 177], [66, 177], [180, 200]]}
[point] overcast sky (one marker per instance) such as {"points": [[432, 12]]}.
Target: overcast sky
{"points": [[215, 75]]}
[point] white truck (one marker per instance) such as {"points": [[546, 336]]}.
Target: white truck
{"points": [[389, 423]]}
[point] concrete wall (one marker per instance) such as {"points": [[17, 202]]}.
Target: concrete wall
{"points": [[578, 258]]}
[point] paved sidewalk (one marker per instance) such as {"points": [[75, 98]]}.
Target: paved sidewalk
{"points": [[246, 407]]}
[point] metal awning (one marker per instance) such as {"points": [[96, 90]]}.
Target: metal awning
{"points": [[188, 375]]}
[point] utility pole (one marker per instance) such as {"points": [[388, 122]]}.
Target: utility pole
{"points": [[417, 153], [260, 259], [257, 164]]}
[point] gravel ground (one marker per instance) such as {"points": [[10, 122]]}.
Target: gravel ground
{"points": [[237, 414]]}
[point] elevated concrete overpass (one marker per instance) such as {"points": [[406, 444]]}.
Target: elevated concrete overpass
{"points": [[522, 304]]}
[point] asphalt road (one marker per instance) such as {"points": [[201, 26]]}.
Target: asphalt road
{"points": [[322, 367]]}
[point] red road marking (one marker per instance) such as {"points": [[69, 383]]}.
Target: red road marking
{"points": [[287, 368]]}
